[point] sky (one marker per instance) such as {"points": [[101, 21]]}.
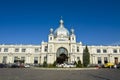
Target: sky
{"points": [[96, 22]]}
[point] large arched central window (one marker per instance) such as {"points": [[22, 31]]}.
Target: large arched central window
{"points": [[62, 50], [62, 55]]}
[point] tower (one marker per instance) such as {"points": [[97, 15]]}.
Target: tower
{"points": [[51, 36], [72, 36]]}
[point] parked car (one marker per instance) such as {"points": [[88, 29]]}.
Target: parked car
{"points": [[26, 66], [66, 65], [109, 65], [15, 65], [118, 65], [2, 65], [60, 65], [69, 65]]}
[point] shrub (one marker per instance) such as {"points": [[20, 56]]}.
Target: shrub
{"points": [[45, 64], [79, 64]]}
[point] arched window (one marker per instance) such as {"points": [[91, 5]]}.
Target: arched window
{"points": [[50, 38], [62, 50]]}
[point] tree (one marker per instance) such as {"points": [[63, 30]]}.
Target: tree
{"points": [[86, 57]]}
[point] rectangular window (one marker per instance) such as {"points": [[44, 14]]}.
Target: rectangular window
{"points": [[105, 60], [22, 59], [115, 51], [77, 49], [0, 49], [35, 60], [50, 38], [36, 49], [16, 50], [46, 48], [23, 50], [45, 58], [99, 60], [78, 58], [6, 50], [15, 59], [98, 51], [104, 51], [4, 59], [72, 38], [116, 60]]}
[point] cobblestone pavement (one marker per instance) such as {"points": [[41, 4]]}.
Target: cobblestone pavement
{"points": [[58, 74]]}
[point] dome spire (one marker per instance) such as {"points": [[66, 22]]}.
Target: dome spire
{"points": [[61, 30], [61, 23]]}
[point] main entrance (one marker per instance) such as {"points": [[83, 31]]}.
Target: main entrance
{"points": [[62, 55]]}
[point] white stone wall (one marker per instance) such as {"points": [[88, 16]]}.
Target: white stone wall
{"points": [[30, 53], [110, 54]]}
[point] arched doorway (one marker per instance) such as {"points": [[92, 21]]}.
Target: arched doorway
{"points": [[62, 55]]}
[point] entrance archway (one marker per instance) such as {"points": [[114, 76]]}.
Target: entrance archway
{"points": [[62, 55]]}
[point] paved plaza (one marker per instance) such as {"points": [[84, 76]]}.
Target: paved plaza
{"points": [[58, 74]]}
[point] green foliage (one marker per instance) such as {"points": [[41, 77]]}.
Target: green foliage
{"points": [[50, 66], [79, 64], [86, 57], [75, 63], [54, 64], [45, 64]]}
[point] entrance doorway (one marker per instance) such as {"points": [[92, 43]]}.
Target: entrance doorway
{"points": [[62, 58], [116, 60], [62, 55]]}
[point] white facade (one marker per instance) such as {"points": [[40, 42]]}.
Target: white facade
{"points": [[61, 47]]}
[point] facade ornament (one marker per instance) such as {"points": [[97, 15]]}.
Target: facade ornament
{"points": [[72, 31], [51, 31]]}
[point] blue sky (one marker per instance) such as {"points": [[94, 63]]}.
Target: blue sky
{"points": [[96, 22]]}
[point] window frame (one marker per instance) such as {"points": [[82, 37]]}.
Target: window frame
{"points": [[17, 49], [115, 51], [78, 50], [46, 48], [36, 49], [99, 60], [23, 49], [98, 50], [104, 50], [5, 49]]}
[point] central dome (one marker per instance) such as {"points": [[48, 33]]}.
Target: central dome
{"points": [[61, 30]]}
